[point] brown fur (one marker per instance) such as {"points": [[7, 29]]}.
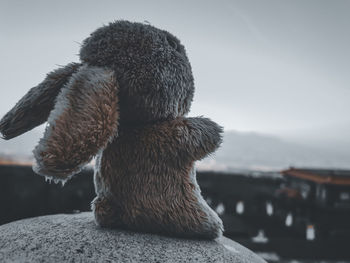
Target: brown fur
{"points": [[144, 175], [80, 129]]}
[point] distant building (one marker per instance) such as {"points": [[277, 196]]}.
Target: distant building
{"points": [[318, 200], [325, 188]]}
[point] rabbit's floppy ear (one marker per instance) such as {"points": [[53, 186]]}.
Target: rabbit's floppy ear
{"points": [[83, 121], [34, 108]]}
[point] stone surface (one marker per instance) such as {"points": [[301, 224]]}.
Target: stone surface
{"points": [[76, 238]]}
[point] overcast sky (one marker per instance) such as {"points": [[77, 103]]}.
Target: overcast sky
{"points": [[265, 66]]}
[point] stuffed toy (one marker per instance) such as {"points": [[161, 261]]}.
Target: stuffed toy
{"points": [[125, 104]]}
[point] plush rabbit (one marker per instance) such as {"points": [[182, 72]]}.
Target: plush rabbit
{"points": [[125, 104]]}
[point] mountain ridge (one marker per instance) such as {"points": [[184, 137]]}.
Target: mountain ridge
{"points": [[239, 151]]}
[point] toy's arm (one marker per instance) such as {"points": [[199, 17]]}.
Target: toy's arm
{"points": [[83, 121], [34, 108], [200, 137]]}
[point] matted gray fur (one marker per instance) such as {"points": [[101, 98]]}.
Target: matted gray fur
{"points": [[126, 104]]}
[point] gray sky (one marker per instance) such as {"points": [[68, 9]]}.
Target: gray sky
{"points": [[266, 66]]}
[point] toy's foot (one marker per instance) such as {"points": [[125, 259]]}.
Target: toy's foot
{"points": [[105, 212], [212, 227], [206, 223]]}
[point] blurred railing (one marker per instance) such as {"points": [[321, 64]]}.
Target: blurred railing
{"points": [[252, 212]]}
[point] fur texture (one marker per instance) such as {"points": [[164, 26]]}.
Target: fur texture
{"points": [[126, 104], [146, 180], [84, 120], [151, 67], [34, 108]]}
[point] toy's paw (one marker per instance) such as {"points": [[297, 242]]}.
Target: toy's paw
{"points": [[52, 167], [106, 214]]}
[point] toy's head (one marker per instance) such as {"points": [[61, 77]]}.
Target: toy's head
{"points": [[151, 68]]}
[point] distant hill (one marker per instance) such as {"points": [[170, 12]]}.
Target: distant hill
{"points": [[336, 136], [242, 150], [239, 151]]}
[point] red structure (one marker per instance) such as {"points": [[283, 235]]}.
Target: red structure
{"points": [[317, 199]]}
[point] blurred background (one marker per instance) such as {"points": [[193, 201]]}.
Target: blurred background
{"points": [[274, 74]]}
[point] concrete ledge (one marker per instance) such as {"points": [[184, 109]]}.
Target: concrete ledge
{"points": [[75, 238]]}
